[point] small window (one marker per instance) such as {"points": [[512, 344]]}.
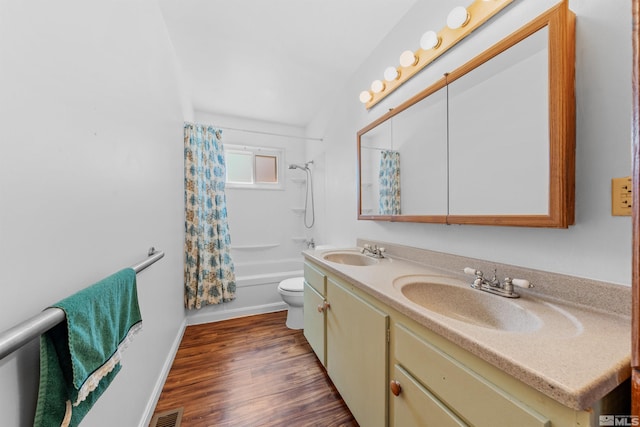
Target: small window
{"points": [[266, 169], [253, 167], [239, 167]]}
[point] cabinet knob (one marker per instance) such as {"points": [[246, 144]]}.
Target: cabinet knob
{"points": [[323, 307], [396, 388]]}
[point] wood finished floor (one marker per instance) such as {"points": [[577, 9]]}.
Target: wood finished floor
{"points": [[251, 372]]}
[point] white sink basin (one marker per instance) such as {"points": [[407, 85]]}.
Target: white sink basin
{"points": [[350, 258], [456, 300]]}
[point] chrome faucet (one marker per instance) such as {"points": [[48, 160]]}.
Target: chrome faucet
{"points": [[310, 243], [494, 285], [373, 251]]}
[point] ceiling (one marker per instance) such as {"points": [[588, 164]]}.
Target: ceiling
{"points": [[274, 60]]}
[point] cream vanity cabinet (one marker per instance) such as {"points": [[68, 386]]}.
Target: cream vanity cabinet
{"points": [[432, 388], [315, 284], [354, 348], [414, 377], [440, 384]]}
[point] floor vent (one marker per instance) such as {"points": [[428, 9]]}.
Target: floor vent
{"points": [[170, 418]]}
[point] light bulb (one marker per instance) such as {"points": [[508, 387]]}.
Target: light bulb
{"points": [[391, 74], [408, 58], [365, 96], [430, 40], [458, 17], [377, 86]]}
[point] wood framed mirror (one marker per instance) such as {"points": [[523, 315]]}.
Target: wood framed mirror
{"points": [[491, 143]]}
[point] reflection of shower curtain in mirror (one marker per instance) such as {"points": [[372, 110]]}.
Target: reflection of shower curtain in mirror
{"points": [[389, 179]]}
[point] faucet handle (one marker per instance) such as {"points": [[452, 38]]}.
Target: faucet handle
{"points": [[472, 272], [509, 284], [522, 283]]}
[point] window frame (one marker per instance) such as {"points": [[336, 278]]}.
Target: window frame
{"points": [[276, 152]]}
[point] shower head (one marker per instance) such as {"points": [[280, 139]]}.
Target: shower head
{"points": [[305, 167]]}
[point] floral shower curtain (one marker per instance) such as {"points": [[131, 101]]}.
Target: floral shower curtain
{"points": [[389, 180], [209, 276]]}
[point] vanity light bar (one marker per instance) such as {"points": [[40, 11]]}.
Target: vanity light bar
{"points": [[432, 46]]}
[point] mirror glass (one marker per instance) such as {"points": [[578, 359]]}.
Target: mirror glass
{"points": [[492, 142], [403, 161], [420, 137], [372, 144], [499, 133]]}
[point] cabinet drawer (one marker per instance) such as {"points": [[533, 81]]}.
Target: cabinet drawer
{"points": [[314, 322], [471, 396], [415, 406], [315, 278]]}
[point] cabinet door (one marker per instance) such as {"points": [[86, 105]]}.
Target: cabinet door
{"points": [[314, 321], [477, 400], [357, 354], [415, 406]]}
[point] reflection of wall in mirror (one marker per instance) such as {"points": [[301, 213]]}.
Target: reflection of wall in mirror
{"points": [[370, 159], [499, 133], [370, 145], [420, 134]]}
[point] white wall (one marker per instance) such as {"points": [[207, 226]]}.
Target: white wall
{"points": [[91, 176], [598, 246]]}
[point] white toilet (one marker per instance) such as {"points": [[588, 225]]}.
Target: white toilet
{"points": [[292, 291]]}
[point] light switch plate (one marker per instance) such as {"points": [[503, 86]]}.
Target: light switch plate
{"points": [[621, 196]]}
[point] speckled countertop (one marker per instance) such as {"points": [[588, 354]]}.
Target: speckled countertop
{"points": [[571, 352]]}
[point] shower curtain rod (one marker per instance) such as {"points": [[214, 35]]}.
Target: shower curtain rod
{"points": [[14, 338], [269, 133]]}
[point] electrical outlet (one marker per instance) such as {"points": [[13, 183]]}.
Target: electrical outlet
{"points": [[621, 196]]}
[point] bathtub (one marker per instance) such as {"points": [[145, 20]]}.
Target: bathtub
{"points": [[261, 272], [256, 290]]}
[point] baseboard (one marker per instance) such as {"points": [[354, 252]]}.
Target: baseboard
{"points": [[157, 389], [216, 316]]}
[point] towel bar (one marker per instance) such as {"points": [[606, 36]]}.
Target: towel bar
{"points": [[14, 338]]}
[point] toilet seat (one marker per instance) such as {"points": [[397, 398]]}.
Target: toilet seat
{"points": [[295, 284]]}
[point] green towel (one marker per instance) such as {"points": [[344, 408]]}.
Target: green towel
{"points": [[80, 357]]}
